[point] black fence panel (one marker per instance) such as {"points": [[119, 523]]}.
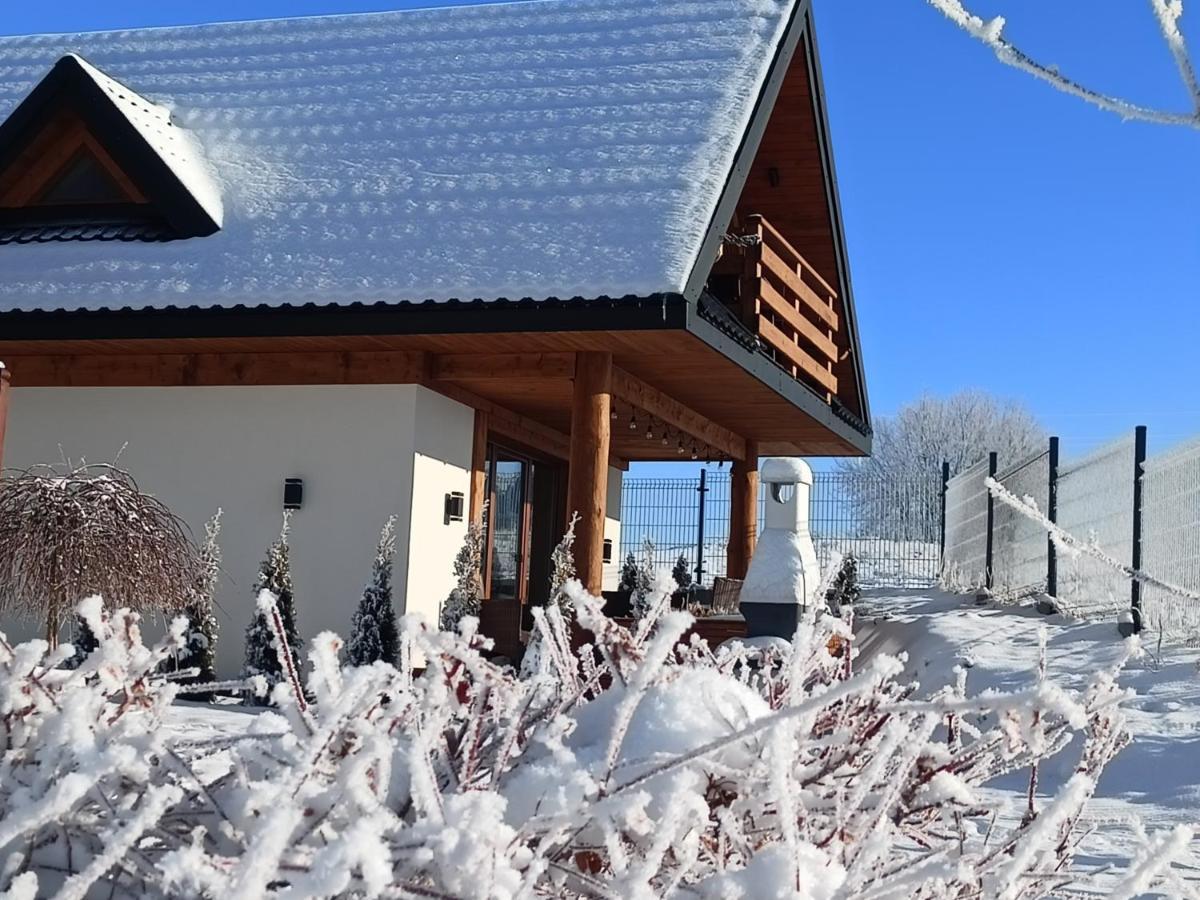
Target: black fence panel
{"points": [[891, 526]]}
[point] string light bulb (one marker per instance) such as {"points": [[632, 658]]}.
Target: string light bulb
{"points": [[649, 433], [665, 440], [633, 422]]}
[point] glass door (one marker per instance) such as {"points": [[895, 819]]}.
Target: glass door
{"points": [[508, 527]]}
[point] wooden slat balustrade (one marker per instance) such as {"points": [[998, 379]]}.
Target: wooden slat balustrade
{"points": [[790, 307]]}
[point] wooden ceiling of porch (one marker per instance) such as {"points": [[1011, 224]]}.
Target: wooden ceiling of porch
{"points": [[528, 374]]}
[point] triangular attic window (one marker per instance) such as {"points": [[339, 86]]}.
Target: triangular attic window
{"points": [[85, 158], [84, 180]]}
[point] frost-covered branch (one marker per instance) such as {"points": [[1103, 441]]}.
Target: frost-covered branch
{"points": [[637, 766], [1167, 12]]}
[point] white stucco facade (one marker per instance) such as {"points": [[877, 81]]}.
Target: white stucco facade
{"points": [[364, 452], [612, 528]]}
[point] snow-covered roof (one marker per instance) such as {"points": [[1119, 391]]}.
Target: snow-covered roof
{"points": [[552, 148]]}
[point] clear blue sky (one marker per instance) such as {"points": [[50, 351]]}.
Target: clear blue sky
{"points": [[1002, 235]]}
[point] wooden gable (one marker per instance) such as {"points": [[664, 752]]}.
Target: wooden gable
{"points": [[74, 167]]}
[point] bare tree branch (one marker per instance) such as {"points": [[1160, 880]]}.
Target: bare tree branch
{"points": [[1168, 13]]}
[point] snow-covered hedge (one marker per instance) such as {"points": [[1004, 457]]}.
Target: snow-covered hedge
{"points": [[647, 768]]}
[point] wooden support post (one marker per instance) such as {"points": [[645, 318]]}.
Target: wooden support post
{"points": [[587, 490], [479, 446], [5, 391], [743, 512]]}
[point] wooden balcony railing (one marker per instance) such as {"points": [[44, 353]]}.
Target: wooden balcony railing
{"points": [[789, 306]]}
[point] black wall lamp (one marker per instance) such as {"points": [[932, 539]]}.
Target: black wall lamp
{"points": [[293, 493], [455, 502]]}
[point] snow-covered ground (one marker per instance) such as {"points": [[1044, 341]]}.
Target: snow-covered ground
{"points": [[1156, 778]]}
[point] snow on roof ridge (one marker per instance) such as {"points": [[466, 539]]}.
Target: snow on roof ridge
{"points": [[175, 146]]}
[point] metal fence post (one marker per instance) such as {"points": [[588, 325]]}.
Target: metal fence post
{"points": [[703, 489], [942, 538], [991, 518], [1052, 515], [1139, 460]]}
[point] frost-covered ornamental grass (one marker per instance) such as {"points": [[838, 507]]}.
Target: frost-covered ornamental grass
{"points": [[649, 768]]}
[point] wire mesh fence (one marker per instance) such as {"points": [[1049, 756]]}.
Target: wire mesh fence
{"points": [[1095, 504], [1171, 538], [1129, 525], [965, 565], [891, 526], [1020, 554]]}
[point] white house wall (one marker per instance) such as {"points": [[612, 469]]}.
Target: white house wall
{"points": [[612, 528], [364, 452], [441, 464]]}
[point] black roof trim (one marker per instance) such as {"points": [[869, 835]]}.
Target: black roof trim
{"points": [[68, 82], [722, 318], [658, 311], [733, 346], [845, 286]]}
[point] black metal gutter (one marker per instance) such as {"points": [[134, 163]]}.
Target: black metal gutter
{"points": [[658, 311]]}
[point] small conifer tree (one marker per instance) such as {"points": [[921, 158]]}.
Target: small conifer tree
{"points": [[682, 573], [274, 575], [562, 571], [639, 603], [467, 596], [845, 590], [373, 633], [200, 643], [562, 568], [84, 641], [629, 574]]}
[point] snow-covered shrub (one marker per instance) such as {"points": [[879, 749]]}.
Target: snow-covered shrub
{"points": [[467, 594], [199, 652], [562, 573], [648, 768], [274, 577], [84, 643], [70, 531], [373, 632]]}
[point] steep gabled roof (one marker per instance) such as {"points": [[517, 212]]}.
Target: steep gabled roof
{"points": [[540, 149], [140, 175]]}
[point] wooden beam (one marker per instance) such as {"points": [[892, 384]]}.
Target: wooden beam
{"points": [[5, 393], [587, 489], [509, 424], [479, 444], [743, 513], [636, 392], [506, 366], [217, 369]]}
